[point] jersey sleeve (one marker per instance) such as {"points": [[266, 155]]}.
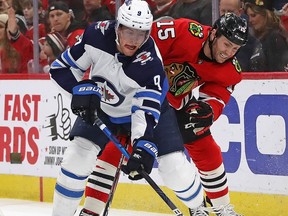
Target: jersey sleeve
{"points": [[71, 65], [147, 101], [218, 94]]}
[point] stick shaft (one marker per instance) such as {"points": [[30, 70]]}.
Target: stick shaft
{"points": [[156, 188]]}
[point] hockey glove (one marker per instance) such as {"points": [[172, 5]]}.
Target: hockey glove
{"points": [[199, 116], [142, 158], [86, 100]]}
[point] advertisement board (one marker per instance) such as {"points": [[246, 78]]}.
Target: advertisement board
{"points": [[35, 121]]}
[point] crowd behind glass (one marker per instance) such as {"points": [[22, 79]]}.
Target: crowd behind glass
{"points": [[59, 24]]}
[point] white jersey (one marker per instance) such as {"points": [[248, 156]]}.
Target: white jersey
{"points": [[132, 87]]}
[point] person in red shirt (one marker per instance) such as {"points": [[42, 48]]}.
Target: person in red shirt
{"points": [[61, 21], [10, 59], [284, 15], [27, 8], [162, 8]]}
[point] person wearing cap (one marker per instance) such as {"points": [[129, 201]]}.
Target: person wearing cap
{"points": [[127, 91], [267, 27], [53, 46], [10, 59], [61, 21]]}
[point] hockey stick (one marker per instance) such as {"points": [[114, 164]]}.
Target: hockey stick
{"points": [[157, 189], [114, 184]]}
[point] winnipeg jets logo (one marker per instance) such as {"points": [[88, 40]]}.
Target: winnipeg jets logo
{"points": [[106, 94], [103, 26], [110, 94], [143, 57]]}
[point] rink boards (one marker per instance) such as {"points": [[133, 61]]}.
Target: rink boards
{"points": [[251, 132]]}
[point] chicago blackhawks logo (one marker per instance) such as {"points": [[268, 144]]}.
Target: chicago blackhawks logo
{"points": [[196, 30], [182, 78]]}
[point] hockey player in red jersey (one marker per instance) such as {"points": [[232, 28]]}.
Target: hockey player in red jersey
{"points": [[194, 54]]}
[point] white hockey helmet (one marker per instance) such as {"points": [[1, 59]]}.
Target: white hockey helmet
{"points": [[135, 14]]}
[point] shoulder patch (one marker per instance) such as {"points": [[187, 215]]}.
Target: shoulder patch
{"points": [[196, 30], [102, 25], [236, 64]]}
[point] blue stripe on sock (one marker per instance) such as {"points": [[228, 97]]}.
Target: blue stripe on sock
{"points": [[69, 193], [71, 175], [193, 195]]}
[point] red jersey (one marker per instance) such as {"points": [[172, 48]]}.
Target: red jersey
{"points": [[73, 37], [180, 43], [41, 30]]}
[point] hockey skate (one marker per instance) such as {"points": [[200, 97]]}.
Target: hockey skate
{"points": [[226, 210], [84, 212], [200, 211]]}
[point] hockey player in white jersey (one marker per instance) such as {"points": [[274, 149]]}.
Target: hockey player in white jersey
{"points": [[127, 88]]}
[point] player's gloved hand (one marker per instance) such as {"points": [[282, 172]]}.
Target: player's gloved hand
{"points": [[200, 115], [86, 100], [142, 158]]}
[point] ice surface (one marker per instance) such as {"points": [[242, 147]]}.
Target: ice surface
{"points": [[14, 207]]}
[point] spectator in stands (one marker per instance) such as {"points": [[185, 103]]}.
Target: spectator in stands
{"points": [[95, 11], [61, 21], [27, 8], [284, 16], [53, 46], [76, 6], [250, 57], [9, 57], [199, 10], [21, 43], [4, 4], [285, 10], [272, 35], [162, 8]]}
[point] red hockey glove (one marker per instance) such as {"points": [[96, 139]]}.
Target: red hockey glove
{"points": [[199, 116]]}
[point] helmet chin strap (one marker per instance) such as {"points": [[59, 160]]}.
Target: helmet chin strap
{"points": [[210, 44]]}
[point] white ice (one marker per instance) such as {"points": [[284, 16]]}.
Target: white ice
{"points": [[14, 207]]}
